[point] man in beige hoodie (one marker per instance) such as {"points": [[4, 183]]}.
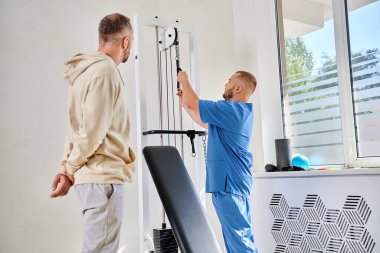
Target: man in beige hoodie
{"points": [[97, 157]]}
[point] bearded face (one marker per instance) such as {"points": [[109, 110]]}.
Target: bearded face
{"points": [[127, 52], [228, 94]]}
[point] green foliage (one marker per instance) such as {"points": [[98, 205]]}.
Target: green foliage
{"points": [[299, 59], [368, 55], [300, 63], [329, 64]]}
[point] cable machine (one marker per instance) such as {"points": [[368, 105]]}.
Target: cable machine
{"points": [[165, 42], [167, 111]]}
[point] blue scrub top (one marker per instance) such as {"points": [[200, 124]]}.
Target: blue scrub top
{"points": [[229, 161]]}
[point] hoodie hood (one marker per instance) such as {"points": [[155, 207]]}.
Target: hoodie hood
{"points": [[80, 62]]}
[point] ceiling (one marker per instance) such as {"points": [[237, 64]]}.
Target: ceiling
{"points": [[304, 16]]}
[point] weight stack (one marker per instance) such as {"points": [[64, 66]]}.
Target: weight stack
{"points": [[164, 241]]}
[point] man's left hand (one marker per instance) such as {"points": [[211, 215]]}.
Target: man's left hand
{"points": [[61, 185]]}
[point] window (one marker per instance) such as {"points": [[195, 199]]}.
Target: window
{"points": [[312, 79], [364, 37]]}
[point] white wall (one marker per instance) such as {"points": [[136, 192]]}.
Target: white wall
{"points": [[256, 50], [37, 37]]}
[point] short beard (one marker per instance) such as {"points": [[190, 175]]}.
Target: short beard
{"points": [[125, 59], [228, 94]]}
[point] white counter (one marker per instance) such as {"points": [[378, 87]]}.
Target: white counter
{"points": [[318, 173]]}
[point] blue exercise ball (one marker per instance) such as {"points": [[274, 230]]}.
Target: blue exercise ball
{"points": [[301, 161]]}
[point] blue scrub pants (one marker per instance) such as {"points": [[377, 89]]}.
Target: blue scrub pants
{"points": [[234, 215]]}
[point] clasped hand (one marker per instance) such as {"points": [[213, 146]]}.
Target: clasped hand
{"points": [[62, 183]]}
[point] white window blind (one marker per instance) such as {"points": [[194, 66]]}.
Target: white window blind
{"points": [[312, 117]]}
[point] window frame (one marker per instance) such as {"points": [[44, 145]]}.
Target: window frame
{"points": [[345, 82]]}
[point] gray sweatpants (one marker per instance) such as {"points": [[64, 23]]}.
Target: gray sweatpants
{"points": [[102, 209]]}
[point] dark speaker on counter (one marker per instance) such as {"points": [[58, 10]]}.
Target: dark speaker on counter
{"points": [[283, 153]]}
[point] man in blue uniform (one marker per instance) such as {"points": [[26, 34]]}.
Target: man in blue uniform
{"points": [[229, 162]]}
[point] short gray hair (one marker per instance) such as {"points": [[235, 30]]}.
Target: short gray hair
{"points": [[113, 27]]}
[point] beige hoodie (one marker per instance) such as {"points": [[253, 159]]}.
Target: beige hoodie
{"points": [[97, 147]]}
